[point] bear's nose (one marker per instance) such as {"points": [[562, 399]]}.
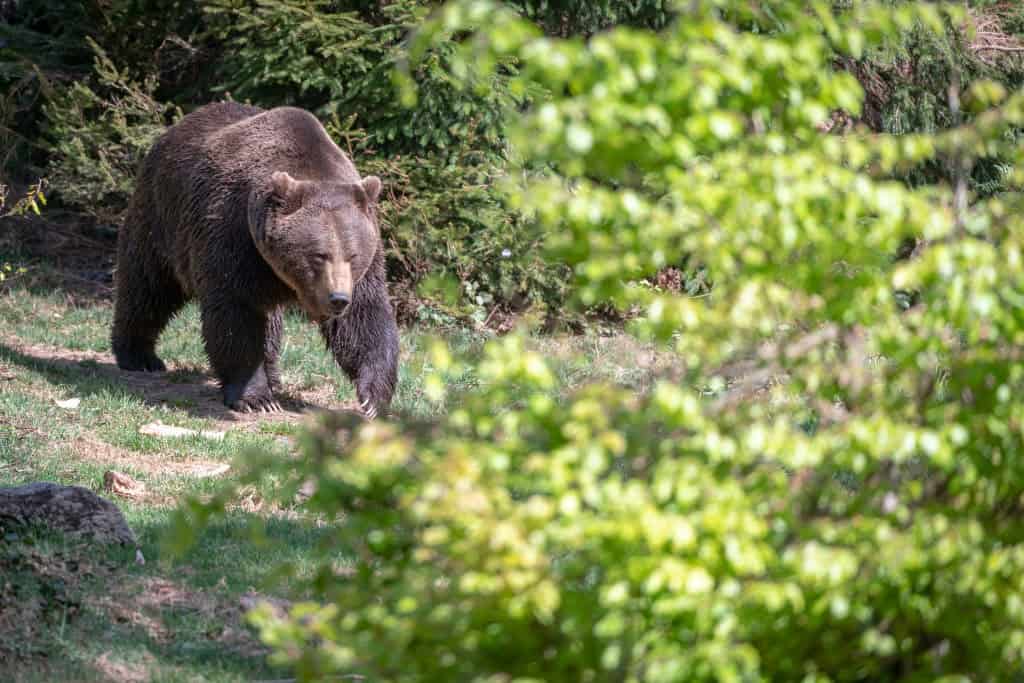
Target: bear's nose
{"points": [[338, 301]]}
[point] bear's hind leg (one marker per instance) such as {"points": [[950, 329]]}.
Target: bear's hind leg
{"points": [[235, 337], [145, 301]]}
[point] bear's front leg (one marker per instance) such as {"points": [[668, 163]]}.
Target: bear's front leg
{"points": [[272, 351], [364, 342], [236, 343]]}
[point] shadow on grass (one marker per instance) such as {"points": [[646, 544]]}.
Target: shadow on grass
{"points": [[194, 393], [64, 252], [101, 617]]}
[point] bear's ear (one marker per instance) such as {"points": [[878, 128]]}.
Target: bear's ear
{"points": [[284, 189], [284, 192], [371, 185]]}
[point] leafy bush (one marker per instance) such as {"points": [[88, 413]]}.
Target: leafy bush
{"points": [[565, 18], [830, 491], [33, 199], [45, 48], [907, 81], [338, 64], [37, 40], [99, 134]]}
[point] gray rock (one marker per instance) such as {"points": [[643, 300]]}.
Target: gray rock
{"points": [[73, 510]]}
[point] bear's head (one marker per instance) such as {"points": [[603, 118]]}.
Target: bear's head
{"points": [[318, 237]]}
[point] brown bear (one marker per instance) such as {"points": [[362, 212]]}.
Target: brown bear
{"points": [[250, 210]]}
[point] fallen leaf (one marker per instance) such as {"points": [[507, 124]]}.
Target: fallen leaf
{"points": [[172, 432], [122, 485], [252, 600], [306, 490], [210, 470]]}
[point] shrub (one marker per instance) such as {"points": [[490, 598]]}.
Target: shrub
{"points": [[566, 18], [907, 81], [38, 40], [831, 491], [45, 48], [99, 134], [33, 199]]}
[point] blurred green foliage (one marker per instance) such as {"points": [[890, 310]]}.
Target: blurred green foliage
{"points": [[829, 491]]}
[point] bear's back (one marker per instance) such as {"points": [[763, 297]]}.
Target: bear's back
{"points": [[194, 187], [232, 144], [280, 139]]}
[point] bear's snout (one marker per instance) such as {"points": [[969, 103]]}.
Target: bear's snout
{"points": [[339, 302]]}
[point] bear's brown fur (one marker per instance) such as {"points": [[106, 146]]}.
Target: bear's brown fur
{"points": [[247, 211]]}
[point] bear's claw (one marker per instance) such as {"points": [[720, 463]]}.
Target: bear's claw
{"points": [[256, 405], [368, 409]]}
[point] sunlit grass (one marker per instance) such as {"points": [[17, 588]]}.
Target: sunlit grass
{"points": [[52, 349]]}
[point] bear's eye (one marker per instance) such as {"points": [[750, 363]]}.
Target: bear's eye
{"points": [[320, 258]]}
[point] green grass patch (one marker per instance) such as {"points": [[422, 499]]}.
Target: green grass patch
{"points": [[179, 619]]}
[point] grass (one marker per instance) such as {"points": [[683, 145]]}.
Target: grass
{"points": [[174, 619]]}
